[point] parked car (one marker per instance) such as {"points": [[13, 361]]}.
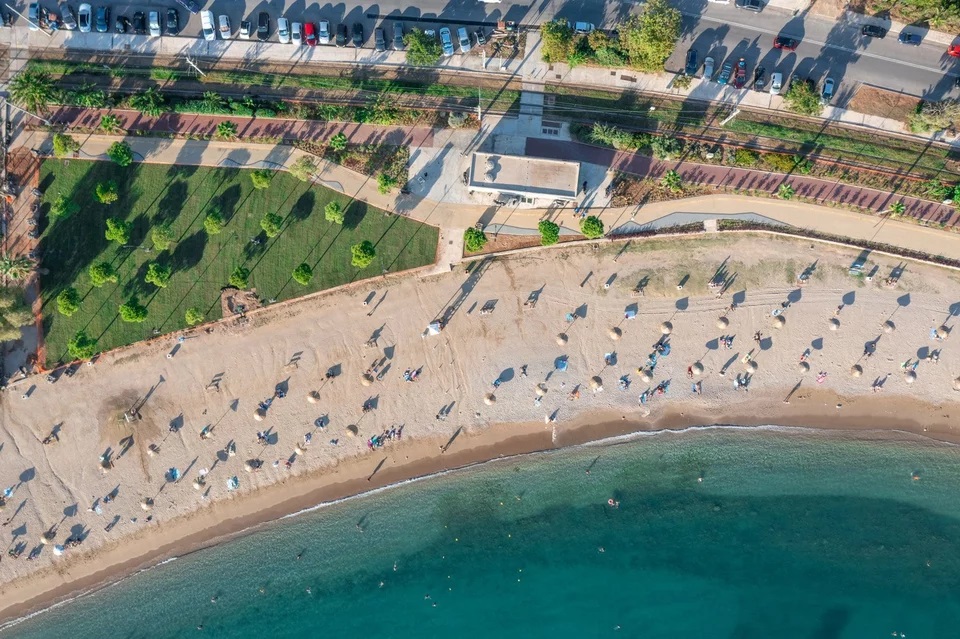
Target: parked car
{"points": [[342, 35], [357, 35], [206, 25], [783, 42], [153, 24], [828, 88], [776, 83], [463, 38], [481, 38], [190, 5], [725, 72], [954, 51], [263, 26], [84, 14], [323, 32], [708, 68], [758, 78], [246, 29], [67, 17], [398, 36], [139, 23], [690, 68], [121, 24], [445, 42], [173, 21], [223, 26], [379, 40], [740, 76], [33, 15], [283, 30], [583, 27], [873, 31], [309, 34], [750, 5], [296, 33], [103, 19], [911, 38]]}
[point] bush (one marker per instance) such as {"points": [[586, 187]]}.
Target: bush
{"points": [[62, 207], [385, 183], [227, 130], [14, 314], [121, 153], [780, 162], [261, 178], [556, 40], [271, 223], [68, 301], [106, 192], [303, 168], [672, 181], [162, 237], [802, 98], [474, 239], [194, 316], [133, 312], [81, 346], [549, 232], [648, 39], [456, 120], [109, 123], [158, 275], [663, 147], [214, 222], [338, 142], [64, 145], [303, 274], [592, 227], [362, 254], [33, 90], [745, 157], [101, 273], [150, 102], [785, 192], [422, 50], [118, 230], [613, 136], [333, 212], [240, 277]]}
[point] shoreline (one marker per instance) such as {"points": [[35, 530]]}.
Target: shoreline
{"points": [[227, 520]]}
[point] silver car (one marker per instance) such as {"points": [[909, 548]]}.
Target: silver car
{"points": [[153, 22], [776, 83], [708, 68]]}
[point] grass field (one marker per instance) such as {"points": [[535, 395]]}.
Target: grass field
{"points": [[181, 196]]}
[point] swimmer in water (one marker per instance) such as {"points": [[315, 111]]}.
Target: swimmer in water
{"points": [[300, 555], [394, 566], [381, 584], [309, 592], [601, 549], [213, 599]]}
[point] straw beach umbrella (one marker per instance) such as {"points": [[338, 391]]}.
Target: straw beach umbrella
{"points": [[562, 339], [697, 368], [956, 384], [615, 333], [313, 397], [298, 450], [646, 376], [352, 430], [3, 502], [889, 326], [366, 379], [856, 370], [943, 332], [803, 368], [834, 324], [47, 537], [596, 383], [541, 390], [752, 366], [779, 321], [259, 414], [489, 399], [722, 322], [666, 328], [909, 377], [146, 503]]}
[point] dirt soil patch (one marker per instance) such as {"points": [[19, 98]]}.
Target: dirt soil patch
{"points": [[887, 104], [628, 191], [234, 301], [506, 242]]}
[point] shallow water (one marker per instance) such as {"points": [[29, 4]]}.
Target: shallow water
{"points": [[790, 534]]}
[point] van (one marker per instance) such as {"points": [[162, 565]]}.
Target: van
{"points": [[206, 25], [464, 38], [398, 36]]}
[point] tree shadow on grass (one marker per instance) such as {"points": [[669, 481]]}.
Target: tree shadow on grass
{"points": [[181, 171], [170, 205], [354, 214], [228, 201], [257, 247], [304, 206], [189, 251], [137, 286]]}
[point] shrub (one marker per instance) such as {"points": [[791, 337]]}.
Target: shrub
{"points": [[422, 49], [261, 178], [133, 312], [456, 120], [672, 181], [474, 239], [14, 314], [158, 275], [121, 153], [745, 157], [81, 346], [785, 192], [33, 90], [338, 142], [549, 232], [214, 222], [663, 147], [303, 168], [385, 183], [271, 223], [591, 227], [101, 273], [62, 207], [150, 102], [109, 123], [556, 40], [64, 145], [194, 316], [802, 98], [106, 192], [303, 274], [780, 162], [68, 301], [333, 212], [162, 237], [117, 230], [362, 254], [227, 130], [240, 277]]}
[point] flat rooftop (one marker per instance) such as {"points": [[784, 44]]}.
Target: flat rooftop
{"points": [[518, 175]]}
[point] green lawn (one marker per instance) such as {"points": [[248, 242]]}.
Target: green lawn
{"points": [[182, 196]]}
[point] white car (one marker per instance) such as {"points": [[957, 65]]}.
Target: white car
{"points": [[445, 42], [776, 83], [85, 17], [245, 29], [283, 30], [323, 32], [153, 23], [463, 38], [296, 32], [206, 25], [224, 27], [708, 68]]}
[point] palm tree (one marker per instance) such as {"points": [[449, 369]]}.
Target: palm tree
{"points": [[109, 123], [33, 90], [785, 192], [15, 268], [672, 181], [897, 208]]}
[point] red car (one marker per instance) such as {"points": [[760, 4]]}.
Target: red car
{"points": [[954, 51], [783, 42], [310, 34]]}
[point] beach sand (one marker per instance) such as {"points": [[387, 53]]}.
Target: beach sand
{"points": [[293, 346]]}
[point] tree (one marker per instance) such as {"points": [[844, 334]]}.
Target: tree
{"points": [[898, 208], [150, 102], [101, 273], [227, 130], [422, 50], [109, 123], [261, 178], [648, 39], [802, 98], [474, 239], [385, 183], [118, 230], [303, 168], [68, 301], [32, 90], [672, 181], [62, 207], [935, 116], [121, 153], [194, 316], [333, 212], [81, 346], [64, 145], [592, 227], [214, 222], [785, 192], [107, 193], [338, 142], [14, 314], [162, 237], [303, 274], [158, 275], [240, 277], [556, 40], [549, 232], [271, 223], [15, 268], [362, 254], [133, 312]]}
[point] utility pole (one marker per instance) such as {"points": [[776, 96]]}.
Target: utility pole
{"points": [[5, 101], [195, 67]]}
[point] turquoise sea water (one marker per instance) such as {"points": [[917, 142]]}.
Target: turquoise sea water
{"points": [[790, 534]]}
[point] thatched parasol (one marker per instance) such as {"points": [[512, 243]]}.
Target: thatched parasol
{"points": [[666, 328], [259, 414], [856, 370], [151, 452], [47, 537], [3, 502], [615, 333], [596, 383], [697, 368], [722, 322], [197, 484], [956, 384], [489, 399], [910, 377], [752, 366], [834, 324], [562, 339], [779, 321], [803, 368], [298, 450], [889, 326], [105, 466], [313, 397], [646, 376], [146, 503], [541, 390], [366, 379], [943, 332], [352, 430]]}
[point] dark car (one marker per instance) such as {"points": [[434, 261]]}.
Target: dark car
{"points": [[379, 40], [263, 26], [481, 39], [357, 34], [173, 21], [139, 23], [750, 5], [783, 42], [693, 63], [342, 35], [913, 39], [740, 77], [122, 25], [102, 22], [759, 81], [725, 72], [873, 31], [190, 5], [67, 17], [398, 36]]}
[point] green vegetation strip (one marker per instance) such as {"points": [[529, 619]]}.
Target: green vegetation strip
{"points": [[182, 196]]}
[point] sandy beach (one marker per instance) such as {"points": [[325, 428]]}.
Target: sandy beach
{"points": [[215, 381]]}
